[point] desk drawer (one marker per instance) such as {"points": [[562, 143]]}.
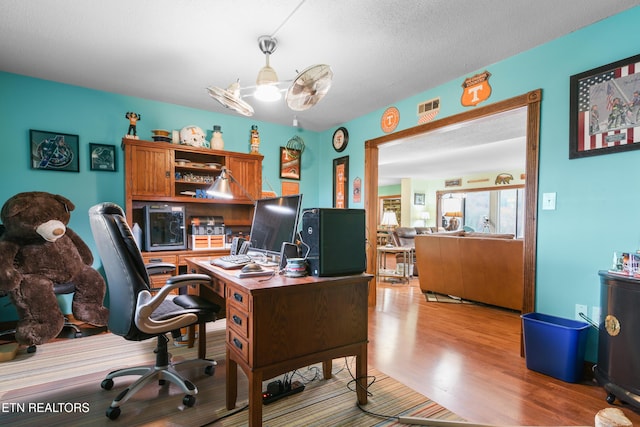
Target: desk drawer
{"points": [[238, 344], [238, 297], [217, 286], [239, 320]]}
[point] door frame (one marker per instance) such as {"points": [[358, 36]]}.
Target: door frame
{"points": [[530, 100]]}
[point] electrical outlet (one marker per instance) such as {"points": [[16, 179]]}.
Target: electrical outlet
{"points": [[595, 315], [581, 308]]}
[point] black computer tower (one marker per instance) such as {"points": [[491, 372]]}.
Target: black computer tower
{"points": [[336, 239]]}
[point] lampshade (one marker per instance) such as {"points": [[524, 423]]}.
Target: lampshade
{"points": [[389, 219], [221, 186], [267, 81], [454, 214]]}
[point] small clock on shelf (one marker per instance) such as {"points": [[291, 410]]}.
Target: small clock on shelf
{"points": [[340, 139]]}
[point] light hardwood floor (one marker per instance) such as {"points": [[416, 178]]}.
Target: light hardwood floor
{"points": [[467, 358]]}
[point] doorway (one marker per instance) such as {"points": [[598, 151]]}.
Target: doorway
{"points": [[531, 101]]}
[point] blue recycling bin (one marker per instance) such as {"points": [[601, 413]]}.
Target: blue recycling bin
{"points": [[555, 346]]}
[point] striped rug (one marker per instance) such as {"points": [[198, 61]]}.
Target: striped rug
{"points": [[59, 385]]}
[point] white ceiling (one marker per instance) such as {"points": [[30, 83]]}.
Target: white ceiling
{"points": [[381, 51], [490, 144]]}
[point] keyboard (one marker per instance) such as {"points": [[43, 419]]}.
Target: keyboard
{"points": [[230, 262]]}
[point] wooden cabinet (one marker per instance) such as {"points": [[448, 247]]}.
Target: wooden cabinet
{"points": [[176, 174], [149, 171]]}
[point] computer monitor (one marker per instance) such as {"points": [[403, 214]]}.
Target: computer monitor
{"points": [[275, 220]]}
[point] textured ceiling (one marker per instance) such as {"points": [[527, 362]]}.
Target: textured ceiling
{"points": [[490, 144], [381, 51]]}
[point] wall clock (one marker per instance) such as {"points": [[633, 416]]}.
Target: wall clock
{"points": [[340, 139]]}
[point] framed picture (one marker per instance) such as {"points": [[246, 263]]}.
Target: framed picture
{"points": [[418, 199], [102, 157], [289, 188], [341, 182], [54, 151], [605, 109], [453, 182], [290, 163]]}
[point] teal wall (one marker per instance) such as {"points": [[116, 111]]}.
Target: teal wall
{"points": [[98, 117], [597, 206], [596, 202]]}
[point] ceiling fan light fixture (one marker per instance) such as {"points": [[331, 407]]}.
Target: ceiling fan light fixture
{"points": [[267, 80], [230, 98], [267, 93]]}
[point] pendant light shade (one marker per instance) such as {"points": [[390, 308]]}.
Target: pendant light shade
{"points": [[267, 80]]}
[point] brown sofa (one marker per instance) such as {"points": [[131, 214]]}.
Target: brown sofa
{"points": [[486, 268], [405, 237]]}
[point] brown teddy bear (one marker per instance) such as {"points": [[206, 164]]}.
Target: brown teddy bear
{"points": [[38, 250]]}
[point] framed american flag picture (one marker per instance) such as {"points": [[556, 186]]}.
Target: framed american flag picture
{"points": [[605, 109]]}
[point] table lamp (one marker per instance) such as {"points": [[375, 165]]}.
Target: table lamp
{"points": [[426, 216], [389, 220], [454, 222]]}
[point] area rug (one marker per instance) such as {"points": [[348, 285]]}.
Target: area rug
{"points": [[59, 385], [435, 297]]}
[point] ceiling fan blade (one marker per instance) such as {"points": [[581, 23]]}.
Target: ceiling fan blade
{"points": [[309, 87], [230, 98]]}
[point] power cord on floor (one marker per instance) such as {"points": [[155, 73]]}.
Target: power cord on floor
{"points": [[356, 381], [226, 416]]}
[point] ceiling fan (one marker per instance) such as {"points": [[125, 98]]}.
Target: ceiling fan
{"points": [[307, 89]]}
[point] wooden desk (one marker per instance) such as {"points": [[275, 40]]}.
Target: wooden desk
{"points": [[282, 324]]}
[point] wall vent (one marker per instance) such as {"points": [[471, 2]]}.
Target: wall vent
{"points": [[428, 110], [432, 104]]}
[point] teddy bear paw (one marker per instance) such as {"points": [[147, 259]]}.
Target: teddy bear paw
{"points": [[93, 314], [32, 332]]}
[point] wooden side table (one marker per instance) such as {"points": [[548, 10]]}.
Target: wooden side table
{"points": [[407, 257]]}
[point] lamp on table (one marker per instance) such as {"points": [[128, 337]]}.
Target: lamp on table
{"points": [[425, 216], [454, 222], [389, 220]]}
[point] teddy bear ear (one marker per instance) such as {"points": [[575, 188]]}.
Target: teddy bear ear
{"points": [[12, 207], [66, 202]]}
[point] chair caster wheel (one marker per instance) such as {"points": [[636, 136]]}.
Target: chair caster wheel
{"points": [[189, 400], [107, 385], [113, 413], [31, 349], [611, 398], [210, 370]]}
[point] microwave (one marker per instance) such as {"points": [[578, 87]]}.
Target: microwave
{"points": [[164, 227]]}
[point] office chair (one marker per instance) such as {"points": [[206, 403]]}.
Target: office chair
{"points": [[136, 315]]}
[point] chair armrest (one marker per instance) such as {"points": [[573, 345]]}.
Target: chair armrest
{"points": [[188, 279], [147, 304], [159, 268]]}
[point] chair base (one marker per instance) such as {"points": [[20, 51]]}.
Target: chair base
{"points": [[162, 371]]}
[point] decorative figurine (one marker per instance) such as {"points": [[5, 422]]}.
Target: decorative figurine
{"points": [[217, 142], [133, 121], [255, 140]]}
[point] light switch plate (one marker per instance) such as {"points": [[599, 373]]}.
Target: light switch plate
{"points": [[549, 201]]}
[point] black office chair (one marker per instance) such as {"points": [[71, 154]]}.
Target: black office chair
{"points": [[136, 315]]}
